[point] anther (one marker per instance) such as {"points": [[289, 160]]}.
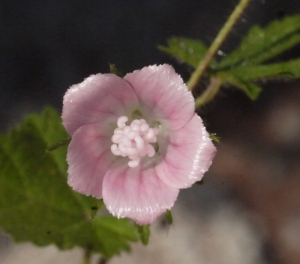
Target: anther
{"points": [[133, 141], [121, 121]]}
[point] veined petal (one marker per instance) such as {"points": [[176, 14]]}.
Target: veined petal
{"points": [[137, 193], [97, 99], [94, 113], [89, 157], [187, 156], [163, 93]]}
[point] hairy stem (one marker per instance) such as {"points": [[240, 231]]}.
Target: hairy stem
{"points": [[209, 93], [202, 66]]}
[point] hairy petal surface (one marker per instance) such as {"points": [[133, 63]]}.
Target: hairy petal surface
{"points": [[137, 193], [98, 98], [89, 157], [162, 92], [187, 155]]}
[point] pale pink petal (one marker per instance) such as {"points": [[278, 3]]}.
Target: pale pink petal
{"points": [[89, 157], [187, 156], [137, 193], [96, 99], [163, 93], [90, 115]]}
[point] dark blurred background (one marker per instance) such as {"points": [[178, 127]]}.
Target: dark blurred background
{"points": [[46, 46]]}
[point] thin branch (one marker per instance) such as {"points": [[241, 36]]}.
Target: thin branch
{"points": [[202, 66], [103, 261], [87, 256], [209, 93]]}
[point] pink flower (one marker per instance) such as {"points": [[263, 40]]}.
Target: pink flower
{"points": [[135, 141]]}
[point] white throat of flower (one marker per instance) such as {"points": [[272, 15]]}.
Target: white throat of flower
{"points": [[133, 141]]}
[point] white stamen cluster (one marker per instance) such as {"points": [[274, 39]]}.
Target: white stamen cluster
{"points": [[133, 141]]}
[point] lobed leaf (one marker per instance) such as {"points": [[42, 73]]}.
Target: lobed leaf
{"points": [[262, 44], [251, 89], [243, 77], [107, 235], [37, 205], [185, 50], [289, 69]]}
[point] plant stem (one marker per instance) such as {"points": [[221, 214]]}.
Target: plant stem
{"points": [[103, 261], [202, 66], [86, 257], [209, 93]]}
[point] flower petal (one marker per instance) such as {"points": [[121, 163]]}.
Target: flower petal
{"points": [[98, 98], [137, 193], [89, 157], [188, 155], [162, 92]]}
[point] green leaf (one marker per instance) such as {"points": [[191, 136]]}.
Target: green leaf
{"points": [[59, 144], [144, 232], [289, 69], [243, 77], [261, 44], [251, 89], [37, 205], [107, 235], [186, 50]]}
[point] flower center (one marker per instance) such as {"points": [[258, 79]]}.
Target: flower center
{"points": [[133, 141]]}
